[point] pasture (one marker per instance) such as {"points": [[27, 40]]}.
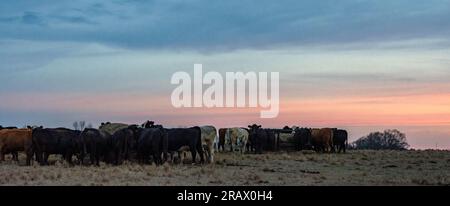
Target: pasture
{"points": [[428, 167]]}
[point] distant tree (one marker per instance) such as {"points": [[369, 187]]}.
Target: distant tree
{"points": [[89, 126], [75, 125], [387, 140], [82, 124]]}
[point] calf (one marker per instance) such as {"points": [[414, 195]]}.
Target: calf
{"points": [[190, 137]]}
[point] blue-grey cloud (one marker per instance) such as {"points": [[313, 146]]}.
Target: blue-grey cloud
{"points": [[224, 24]]}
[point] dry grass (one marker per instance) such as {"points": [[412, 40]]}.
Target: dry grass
{"points": [[282, 168]]}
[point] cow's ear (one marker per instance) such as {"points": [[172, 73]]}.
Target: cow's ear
{"points": [[249, 126], [41, 127], [29, 127], [103, 123]]}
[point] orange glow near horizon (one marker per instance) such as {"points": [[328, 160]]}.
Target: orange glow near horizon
{"points": [[430, 109]]}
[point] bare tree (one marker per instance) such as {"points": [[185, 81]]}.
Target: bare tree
{"points": [[75, 125], [82, 124]]}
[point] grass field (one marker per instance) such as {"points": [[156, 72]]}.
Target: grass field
{"points": [[281, 168]]}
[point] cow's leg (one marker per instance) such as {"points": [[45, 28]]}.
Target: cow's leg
{"points": [[201, 153], [193, 153], [29, 154], [46, 155], [117, 157], [97, 157], [69, 158], [15, 155], [211, 157], [179, 156], [39, 158], [92, 157], [231, 146], [207, 153]]}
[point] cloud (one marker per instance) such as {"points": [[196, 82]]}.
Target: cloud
{"points": [[225, 25]]}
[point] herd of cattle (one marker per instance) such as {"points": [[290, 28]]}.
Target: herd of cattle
{"points": [[115, 142]]}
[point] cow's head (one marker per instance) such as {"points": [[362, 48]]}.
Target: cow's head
{"points": [[148, 124], [254, 127], [136, 132]]}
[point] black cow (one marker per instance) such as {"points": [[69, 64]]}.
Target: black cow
{"points": [[123, 144], [258, 138], [1, 127], [95, 143], [153, 141], [261, 139], [340, 139], [65, 142], [190, 137], [148, 124], [302, 138], [271, 140]]}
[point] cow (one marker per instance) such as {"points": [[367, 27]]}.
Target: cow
{"points": [[322, 139], [302, 138], [340, 140], [112, 128], [65, 142], [271, 140], [123, 144], [151, 124], [1, 127], [221, 144], [258, 138], [238, 138], [15, 155], [190, 137], [95, 143], [208, 135], [15, 140], [152, 141], [261, 139], [181, 154]]}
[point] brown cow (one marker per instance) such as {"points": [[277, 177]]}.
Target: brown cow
{"points": [[322, 139], [222, 133], [15, 140]]}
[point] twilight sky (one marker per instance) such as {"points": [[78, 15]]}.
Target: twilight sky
{"points": [[356, 64]]}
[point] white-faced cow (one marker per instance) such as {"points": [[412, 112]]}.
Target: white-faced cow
{"points": [[209, 134], [237, 138]]}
